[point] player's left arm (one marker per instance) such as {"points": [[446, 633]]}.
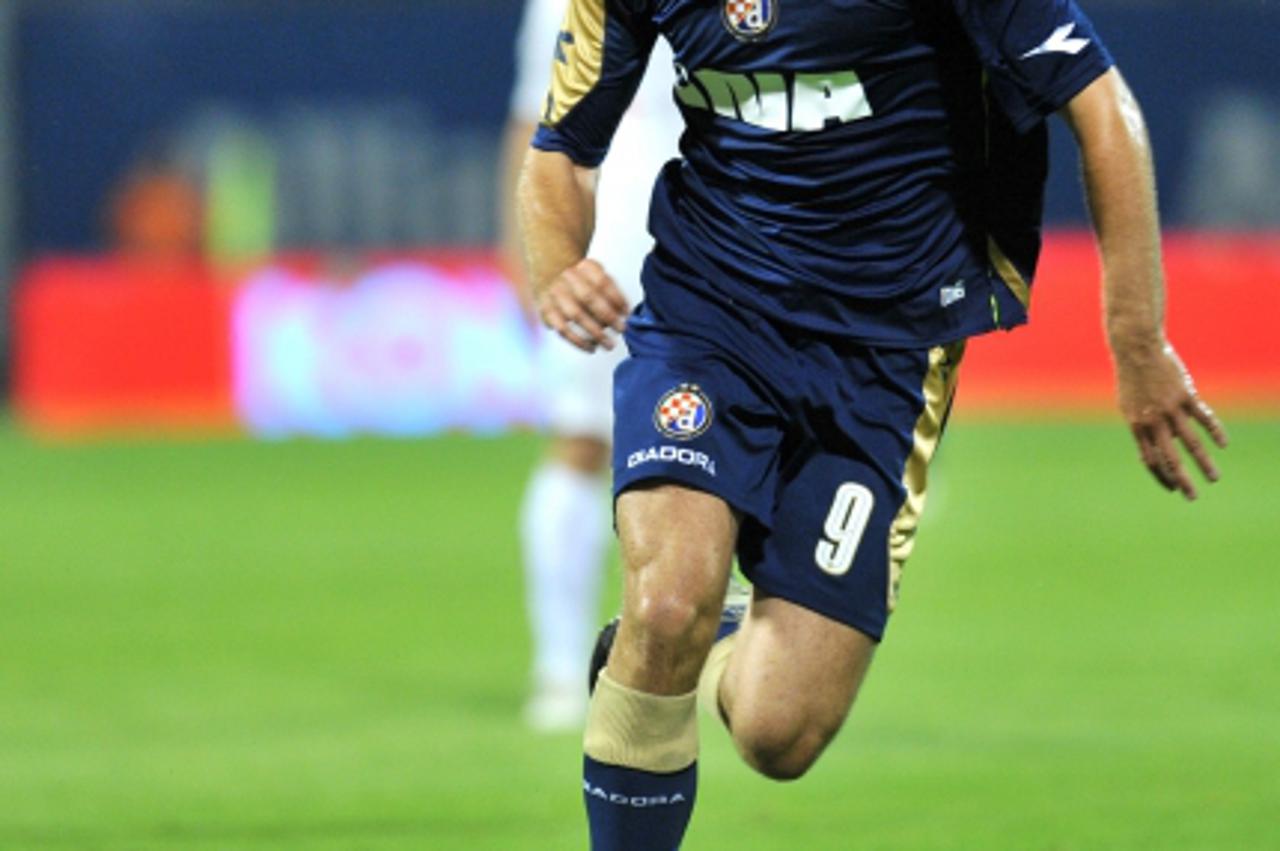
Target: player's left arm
{"points": [[1155, 392]]}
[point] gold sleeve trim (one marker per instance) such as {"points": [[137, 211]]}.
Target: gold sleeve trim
{"points": [[579, 58], [1009, 273], [939, 389]]}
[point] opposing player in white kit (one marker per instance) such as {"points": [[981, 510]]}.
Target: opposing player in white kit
{"points": [[565, 517]]}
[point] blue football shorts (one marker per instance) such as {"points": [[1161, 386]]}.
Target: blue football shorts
{"points": [[822, 446]]}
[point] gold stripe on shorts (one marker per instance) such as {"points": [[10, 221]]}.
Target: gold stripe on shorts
{"points": [[939, 389]]}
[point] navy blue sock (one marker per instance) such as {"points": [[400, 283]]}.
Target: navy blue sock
{"points": [[633, 810]]}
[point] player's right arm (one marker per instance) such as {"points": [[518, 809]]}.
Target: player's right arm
{"points": [[600, 58], [572, 294], [535, 41]]}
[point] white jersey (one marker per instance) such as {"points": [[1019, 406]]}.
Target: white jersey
{"points": [[646, 139]]}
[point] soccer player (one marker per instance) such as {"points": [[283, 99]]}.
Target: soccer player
{"points": [[565, 519], [859, 193]]}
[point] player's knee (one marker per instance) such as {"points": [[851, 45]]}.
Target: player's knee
{"points": [[666, 616], [780, 749], [675, 595]]}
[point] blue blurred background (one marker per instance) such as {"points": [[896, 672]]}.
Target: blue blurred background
{"points": [[384, 116]]}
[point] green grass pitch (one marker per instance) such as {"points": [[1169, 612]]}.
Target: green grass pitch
{"points": [[237, 645]]}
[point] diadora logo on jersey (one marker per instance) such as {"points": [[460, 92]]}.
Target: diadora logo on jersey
{"points": [[750, 20], [683, 413], [795, 102], [1059, 42]]}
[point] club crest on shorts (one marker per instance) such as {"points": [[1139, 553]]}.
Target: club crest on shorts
{"points": [[750, 20], [683, 413]]}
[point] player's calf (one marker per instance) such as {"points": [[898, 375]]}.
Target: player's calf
{"points": [[782, 747], [790, 682]]}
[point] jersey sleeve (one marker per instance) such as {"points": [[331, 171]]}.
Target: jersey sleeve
{"points": [[1039, 54], [600, 57]]}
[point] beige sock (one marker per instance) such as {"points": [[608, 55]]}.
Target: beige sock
{"points": [[633, 729], [712, 674]]}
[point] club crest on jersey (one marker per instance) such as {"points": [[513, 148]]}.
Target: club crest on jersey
{"points": [[750, 20], [683, 413]]}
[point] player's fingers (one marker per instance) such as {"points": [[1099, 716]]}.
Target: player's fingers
{"points": [[576, 314], [1172, 463], [603, 340], [1182, 428], [603, 311], [590, 299], [1144, 436], [595, 288], [573, 333], [556, 321], [613, 294], [1204, 415]]}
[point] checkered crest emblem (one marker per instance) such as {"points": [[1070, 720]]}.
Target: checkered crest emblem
{"points": [[750, 20], [683, 413]]}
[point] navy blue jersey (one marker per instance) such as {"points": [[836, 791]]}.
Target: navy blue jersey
{"points": [[872, 169]]}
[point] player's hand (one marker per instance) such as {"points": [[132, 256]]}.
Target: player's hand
{"points": [[584, 305], [1160, 403]]}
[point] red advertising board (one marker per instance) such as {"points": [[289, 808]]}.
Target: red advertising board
{"points": [[1223, 294], [111, 344]]}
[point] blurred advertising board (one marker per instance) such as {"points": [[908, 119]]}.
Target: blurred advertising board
{"points": [[398, 346], [417, 345], [118, 344], [1223, 306], [405, 348]]}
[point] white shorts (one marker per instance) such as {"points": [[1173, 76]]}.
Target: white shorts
{"points": [[576, 388]]}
